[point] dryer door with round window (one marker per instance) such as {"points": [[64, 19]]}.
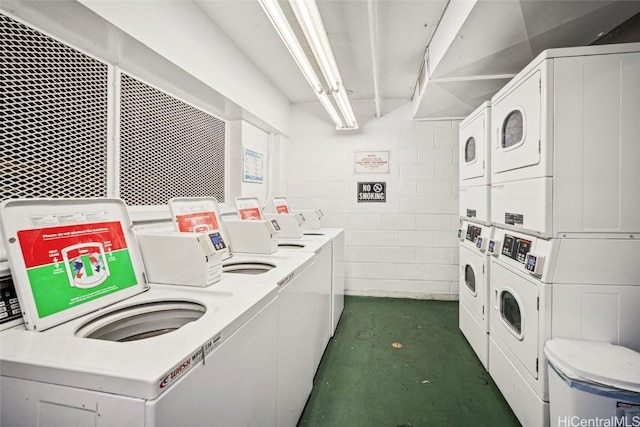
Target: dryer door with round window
{"points": [[514, 315], [516, 129], [473, 285], [473, 153]]}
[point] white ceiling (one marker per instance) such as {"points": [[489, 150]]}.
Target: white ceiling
{"points": [[497, 37]]}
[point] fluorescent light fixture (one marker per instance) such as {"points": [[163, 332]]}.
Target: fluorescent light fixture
{"points": [[308, 17], [310, 21], [279, 21], [326, 103]]}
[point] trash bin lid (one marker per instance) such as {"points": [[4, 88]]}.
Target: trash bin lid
{"points": [[596, 362]]}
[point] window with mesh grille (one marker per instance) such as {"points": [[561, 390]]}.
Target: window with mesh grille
{"points": [[168, 148], [53, 131]]}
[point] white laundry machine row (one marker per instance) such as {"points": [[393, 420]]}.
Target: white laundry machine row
{"points": [[110, 349], [568, 288], [475, 165], [474, 287], [303, 306], [312, 226], [564, 144]]}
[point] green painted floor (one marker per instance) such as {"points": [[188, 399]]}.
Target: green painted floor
{"points": [[435, 379]]}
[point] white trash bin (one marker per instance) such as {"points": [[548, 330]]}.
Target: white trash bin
{"points": [[592, 384]]}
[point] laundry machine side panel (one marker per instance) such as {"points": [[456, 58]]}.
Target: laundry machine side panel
{"points": [[524, 205], [29, 403], [236, 385], [597, 105], [320, 274], [606, 313], [338, 280], [474, 203], [598, 261], [296, 347]]}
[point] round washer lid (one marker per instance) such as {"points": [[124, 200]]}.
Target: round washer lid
{"points": [[596, 362]]}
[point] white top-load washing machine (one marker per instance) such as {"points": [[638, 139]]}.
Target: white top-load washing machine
{"points": [[300, 340], [475, 165], [565, 144], [312, 218], [312, 226], [570, 288], [474, 286], [101, 346]]}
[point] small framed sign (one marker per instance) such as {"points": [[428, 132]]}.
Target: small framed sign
{"points": [[372, 162], [253, 166], [372, 192]]}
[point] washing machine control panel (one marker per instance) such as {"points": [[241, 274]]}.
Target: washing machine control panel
{"points": [[217, 241], [534, 264], [9, 305], [493, 246], [481, 244], [473, 233], [516, 248]]}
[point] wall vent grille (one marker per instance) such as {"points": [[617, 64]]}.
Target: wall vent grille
{"points": [[53, 131], [168, 148]]}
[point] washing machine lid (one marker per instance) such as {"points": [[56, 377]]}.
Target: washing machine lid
{"points": [[196, 214], [281, 205], [596, 362], [248, 208], [70, 257]]}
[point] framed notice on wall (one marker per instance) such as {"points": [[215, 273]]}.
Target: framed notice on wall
{"points": [[372, 162], [253, 166]]}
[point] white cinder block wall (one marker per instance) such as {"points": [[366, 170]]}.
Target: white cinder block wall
{"points": [[406, 247]]}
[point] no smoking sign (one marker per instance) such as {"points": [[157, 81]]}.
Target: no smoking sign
{"points": [[372, 192]]}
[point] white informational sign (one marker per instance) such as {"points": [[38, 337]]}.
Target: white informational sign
{"points": [[372, 162], [253, 166]]}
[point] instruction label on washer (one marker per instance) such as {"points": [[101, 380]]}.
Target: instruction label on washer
{"points": [[71, 265], [197, 222]]}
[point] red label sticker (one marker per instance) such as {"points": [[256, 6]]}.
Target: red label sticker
{"points": [[197, 222], [43, 246], [250, 213]]}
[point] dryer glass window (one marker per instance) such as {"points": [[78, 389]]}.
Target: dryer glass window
{"points": [[512, 129], [470, 150], [510, 311], [470, 278]]}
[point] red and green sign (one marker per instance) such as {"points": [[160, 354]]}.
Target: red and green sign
{"points": [[70, 265]]}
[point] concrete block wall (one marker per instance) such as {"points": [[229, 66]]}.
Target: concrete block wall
{"points": [[407, 246]]}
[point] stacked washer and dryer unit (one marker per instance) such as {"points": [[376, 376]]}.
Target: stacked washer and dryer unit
{"points": [[476, 229], [565, 255]]}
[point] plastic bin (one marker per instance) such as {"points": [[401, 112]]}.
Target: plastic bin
{"points": [[592, 384]]}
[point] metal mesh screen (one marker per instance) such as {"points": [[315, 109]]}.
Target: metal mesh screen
{"points": [[167, 147], [53, 127]]}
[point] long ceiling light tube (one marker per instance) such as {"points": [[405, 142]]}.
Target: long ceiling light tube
{"points": [[345, 107], [326, 103], [309, 18], [279, 21]]}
